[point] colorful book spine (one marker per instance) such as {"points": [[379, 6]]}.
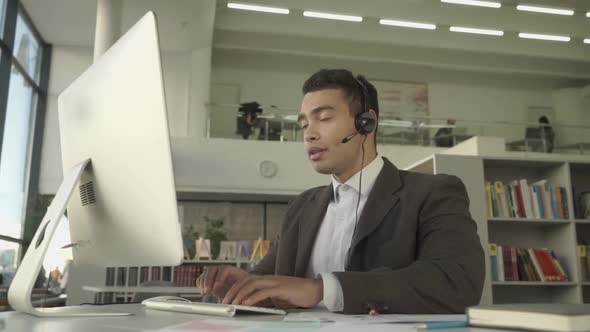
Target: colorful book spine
{"points": [[500, 262], [489, 204], [493, 250], [564, 202]]}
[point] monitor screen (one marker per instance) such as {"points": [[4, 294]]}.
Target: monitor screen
{"points": [[118, 177], [124, 209]]}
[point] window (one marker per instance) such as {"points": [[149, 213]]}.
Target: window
{"points": [[2, 15], [8, 252], [15, 152], [27, 48], [20, 88]]}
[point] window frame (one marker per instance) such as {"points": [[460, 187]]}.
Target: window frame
{"points": [[2, 17], [13, 8]]}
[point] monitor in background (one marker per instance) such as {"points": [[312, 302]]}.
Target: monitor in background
{"points": [[118, 177]]}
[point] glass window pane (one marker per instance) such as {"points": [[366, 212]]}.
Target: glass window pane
{"points": [[15, 154], [8, 254], [27, 48], [2, 15]]}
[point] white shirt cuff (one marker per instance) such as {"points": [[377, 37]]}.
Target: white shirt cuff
{"points": [[333, 295]]}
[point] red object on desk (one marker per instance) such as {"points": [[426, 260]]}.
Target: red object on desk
{"points": [[373, 312]]}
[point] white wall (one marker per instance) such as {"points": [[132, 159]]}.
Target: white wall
{"points": [[484, 103], [282, 89], [70, 62], [226, 165], [571, 108]]}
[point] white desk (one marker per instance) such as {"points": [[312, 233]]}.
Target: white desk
{"points": [[142, 320]]}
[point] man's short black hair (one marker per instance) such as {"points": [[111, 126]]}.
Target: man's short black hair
{"points": [[344, 80]]}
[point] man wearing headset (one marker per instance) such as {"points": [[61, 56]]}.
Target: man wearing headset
{"points": [[404, 243]]}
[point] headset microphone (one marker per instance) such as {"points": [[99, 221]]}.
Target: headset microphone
{"points": [[349, 137]]}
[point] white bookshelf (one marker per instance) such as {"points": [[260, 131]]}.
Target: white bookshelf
{"points": [[534, 283], [560, 235], [530, 221]]}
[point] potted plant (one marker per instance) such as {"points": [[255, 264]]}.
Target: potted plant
{"points": [[214, 231]]}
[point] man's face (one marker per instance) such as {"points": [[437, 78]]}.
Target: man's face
{"points": [[326, 119]]}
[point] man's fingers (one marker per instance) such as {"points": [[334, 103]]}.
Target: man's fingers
{"points": [[279, 303], [199, 280], [258, 296], [229, 296], [250, 287], [222, 276], [210, 275]]}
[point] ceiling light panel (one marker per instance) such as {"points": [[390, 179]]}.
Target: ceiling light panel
{"points": [[545, 10], [477, 31], [544, 37], [256, 8], [488, 4], [408, 24], [330, 16]]}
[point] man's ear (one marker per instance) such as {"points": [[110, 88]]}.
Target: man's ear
{"points": [[372, 111]]}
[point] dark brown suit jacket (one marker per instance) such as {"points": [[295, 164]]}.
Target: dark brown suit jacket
{"points": [[415, 249]]}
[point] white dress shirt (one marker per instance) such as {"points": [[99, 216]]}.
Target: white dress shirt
{"points": [[335, 235]]}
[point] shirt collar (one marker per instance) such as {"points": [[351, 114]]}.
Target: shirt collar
{"points": [[370, 173]]}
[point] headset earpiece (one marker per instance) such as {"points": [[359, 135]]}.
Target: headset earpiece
{"points": [[365, 121]]}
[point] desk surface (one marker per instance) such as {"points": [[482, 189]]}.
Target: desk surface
{"points": [[145, 320]]}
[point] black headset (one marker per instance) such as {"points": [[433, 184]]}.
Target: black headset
{"points": [[364, 121]]}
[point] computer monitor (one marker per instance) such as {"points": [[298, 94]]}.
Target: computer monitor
{"points": [[118, 176]]}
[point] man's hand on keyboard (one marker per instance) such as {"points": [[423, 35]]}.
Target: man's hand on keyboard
{"points": [[254, 290], [218, 280]]}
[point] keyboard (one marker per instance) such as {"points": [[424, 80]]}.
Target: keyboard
{"points": [[178, 304]]}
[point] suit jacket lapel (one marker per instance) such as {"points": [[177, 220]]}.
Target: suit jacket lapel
{"points": [[309, 226], [381, 199]]}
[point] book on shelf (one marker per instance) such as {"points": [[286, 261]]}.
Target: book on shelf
{"points": [[511, 263], [137, 275], [518, 199], [493, 251], [121, 276], [532, 316], [110, 276], [144, 274], [186, 275], [584, 259], [167, 273], [155, 273], [132, 276]]}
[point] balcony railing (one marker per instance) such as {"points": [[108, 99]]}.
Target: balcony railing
{"points": [[280, 124]]}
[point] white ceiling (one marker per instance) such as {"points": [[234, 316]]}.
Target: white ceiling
{"points": [[71, 22], [64, 22]]}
